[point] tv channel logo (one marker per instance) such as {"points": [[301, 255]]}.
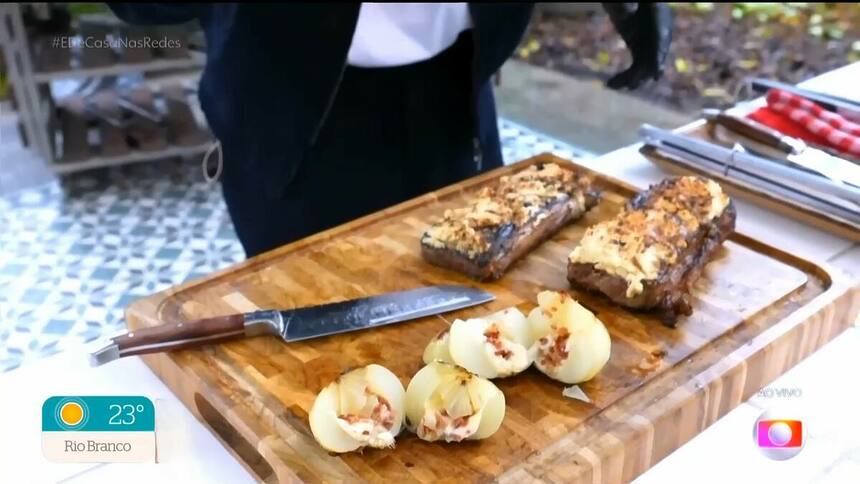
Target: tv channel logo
{"points": [[778, 437]]}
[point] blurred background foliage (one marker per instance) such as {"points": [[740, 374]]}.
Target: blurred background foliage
{"points": [[715, 47], [78, 9]]}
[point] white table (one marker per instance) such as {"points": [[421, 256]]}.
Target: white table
{"points": [[722, 453]]}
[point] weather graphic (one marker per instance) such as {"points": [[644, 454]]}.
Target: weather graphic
{"points": [[98, 429]]}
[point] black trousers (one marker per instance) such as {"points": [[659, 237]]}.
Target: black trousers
{"points": [[391, 134]]}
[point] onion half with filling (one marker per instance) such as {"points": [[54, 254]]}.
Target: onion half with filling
{"points": [[446, 402], [571, 344], [493, 346], [362, 408]]}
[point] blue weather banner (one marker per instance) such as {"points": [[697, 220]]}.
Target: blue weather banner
{"points": [[98, 429]]}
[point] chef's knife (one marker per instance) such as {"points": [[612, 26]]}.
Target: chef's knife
{"points": [[295, 324], [751, 129], [794, 150]]}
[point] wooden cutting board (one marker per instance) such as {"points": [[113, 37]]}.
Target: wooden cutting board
{"points": [[758, 311]]}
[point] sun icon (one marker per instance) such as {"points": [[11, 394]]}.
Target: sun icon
{"points": [[71, 413]]}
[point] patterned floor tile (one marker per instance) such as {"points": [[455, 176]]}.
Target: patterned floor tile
{"points": [[75, 253]]}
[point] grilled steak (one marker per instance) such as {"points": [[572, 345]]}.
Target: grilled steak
{"points": [[504, 222], [651, 253]]}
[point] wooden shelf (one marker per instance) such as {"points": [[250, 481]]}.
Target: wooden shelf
{"points": [[62, 168], [196, 59], [35, 106]]}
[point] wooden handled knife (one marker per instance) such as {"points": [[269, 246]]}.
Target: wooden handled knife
{"points": [[795, 150], [295, 324], [752, 130]]}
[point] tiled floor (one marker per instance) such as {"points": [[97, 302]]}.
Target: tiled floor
{"points": [[74, 253]]}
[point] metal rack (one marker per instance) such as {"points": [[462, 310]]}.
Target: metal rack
{"points": [[35, 105], [196, 60]]}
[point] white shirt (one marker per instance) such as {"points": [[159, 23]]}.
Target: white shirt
{"points": [[395, 34]]}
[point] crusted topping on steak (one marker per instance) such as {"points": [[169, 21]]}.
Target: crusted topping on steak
{"points": [[649, 233], [701, 198], [518, 200]]}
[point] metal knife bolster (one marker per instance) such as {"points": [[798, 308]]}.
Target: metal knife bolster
{"points": [[186, 334], [261, 323]]}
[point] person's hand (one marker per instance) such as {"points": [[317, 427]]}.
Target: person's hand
{"points": [[647, 30]]}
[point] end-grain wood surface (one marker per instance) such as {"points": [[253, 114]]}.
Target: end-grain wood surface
{"points": [[757, 312]]}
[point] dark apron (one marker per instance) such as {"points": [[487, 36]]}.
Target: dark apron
{"points": [[391, 134]]}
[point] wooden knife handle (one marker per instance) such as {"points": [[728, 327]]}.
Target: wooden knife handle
{"points": [[180, 335], [755, 131]]}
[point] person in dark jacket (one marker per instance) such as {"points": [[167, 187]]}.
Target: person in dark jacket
{"points": [[328, 112]]}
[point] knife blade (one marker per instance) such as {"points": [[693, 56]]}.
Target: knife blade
{"points": [[295, 324], [793, 149], [828, 165]]}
